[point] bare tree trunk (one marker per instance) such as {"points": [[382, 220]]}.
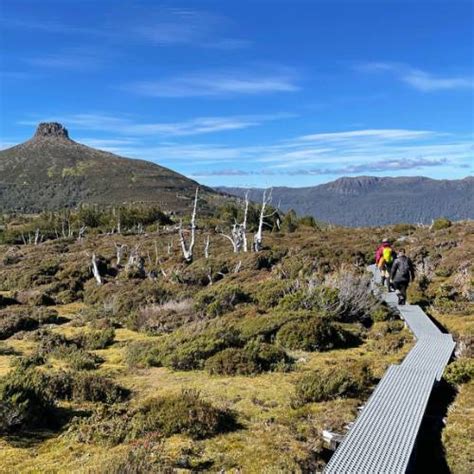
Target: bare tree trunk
{"points": [[232, 239], [120, 250], [188, 250], [244, 223], [95, 270], [206, 247], [258, 237], [37, 237], [82, 231]]}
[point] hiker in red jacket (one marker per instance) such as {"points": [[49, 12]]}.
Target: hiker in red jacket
{"points": [[384, 258]]}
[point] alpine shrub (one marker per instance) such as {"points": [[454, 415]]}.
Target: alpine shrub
{"points": [[315, 334], [331, 383], [25, 401], [186, 413], [460, 371]]}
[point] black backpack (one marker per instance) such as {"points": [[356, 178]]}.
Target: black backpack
{"points": [[403, 269]]}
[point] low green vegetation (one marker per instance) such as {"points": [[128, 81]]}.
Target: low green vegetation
{"points": [[230, 362]]}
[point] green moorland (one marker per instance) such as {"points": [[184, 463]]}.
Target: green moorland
{"points": [[231, 363]]}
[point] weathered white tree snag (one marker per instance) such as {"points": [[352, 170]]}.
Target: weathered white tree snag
{"points": [[82, 231], [136, 261], [238, 236], [244, 223], [119, 252], [37, 237], [238, 266], [258, 237], [95, 270], [188, 250], [206, 247]]}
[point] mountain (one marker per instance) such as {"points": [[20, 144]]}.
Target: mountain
{"points": [[51, 171], [370, 201]]}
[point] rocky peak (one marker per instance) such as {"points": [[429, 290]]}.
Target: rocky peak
{"points": [[51, 130]]}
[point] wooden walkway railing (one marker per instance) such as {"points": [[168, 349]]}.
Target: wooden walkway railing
{"points": [[383, 437]]}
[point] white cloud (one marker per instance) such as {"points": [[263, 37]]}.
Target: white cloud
{"points": [[65, 61], [217, 84], [377, 134], [127, 126], [419, 79], [164, 26]]}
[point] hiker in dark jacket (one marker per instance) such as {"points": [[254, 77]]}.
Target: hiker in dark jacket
{"points": [[401, 274]]}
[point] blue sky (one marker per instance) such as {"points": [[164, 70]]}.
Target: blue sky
{"points": [[248, 93]]}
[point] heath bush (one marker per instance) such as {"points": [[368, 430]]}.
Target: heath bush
{"points": [[186, 413], [254, 358], [441, 223], [218, 300], [142, 354], [25, 401], [315, 334], [460, 371], [331, 383]]}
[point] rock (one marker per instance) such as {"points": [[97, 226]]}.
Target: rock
{"points": [[51, 130]]}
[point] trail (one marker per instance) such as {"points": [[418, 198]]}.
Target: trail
{"points": [[383, 437]]}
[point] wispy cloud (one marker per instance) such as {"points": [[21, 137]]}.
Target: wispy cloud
{"points": [[164, 26], [127, 126], [418, 79], [178, 26], [378, 134], [218, 84], [374, 167], [66, 60]]}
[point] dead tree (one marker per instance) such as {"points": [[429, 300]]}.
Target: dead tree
{"points": [[238, 235], [206, 247], [82, 231], [37, 237], [188, 249], [136, 263], [258, 237], [244, 223], [119, 251], [95, 270]]}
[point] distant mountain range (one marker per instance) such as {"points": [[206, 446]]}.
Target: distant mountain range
{"points": [[51, 171], [372, 201]]}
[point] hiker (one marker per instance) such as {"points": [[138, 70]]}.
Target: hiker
{"points": [[401, 274], [384, 258]]}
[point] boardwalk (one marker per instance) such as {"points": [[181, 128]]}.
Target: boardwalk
{"points": [[383, 437]]}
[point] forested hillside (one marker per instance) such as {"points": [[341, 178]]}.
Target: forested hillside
{"points": [[370, 201]]}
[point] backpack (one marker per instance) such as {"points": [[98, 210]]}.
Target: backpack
{"points": [[388, 255], [403, 270]]}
